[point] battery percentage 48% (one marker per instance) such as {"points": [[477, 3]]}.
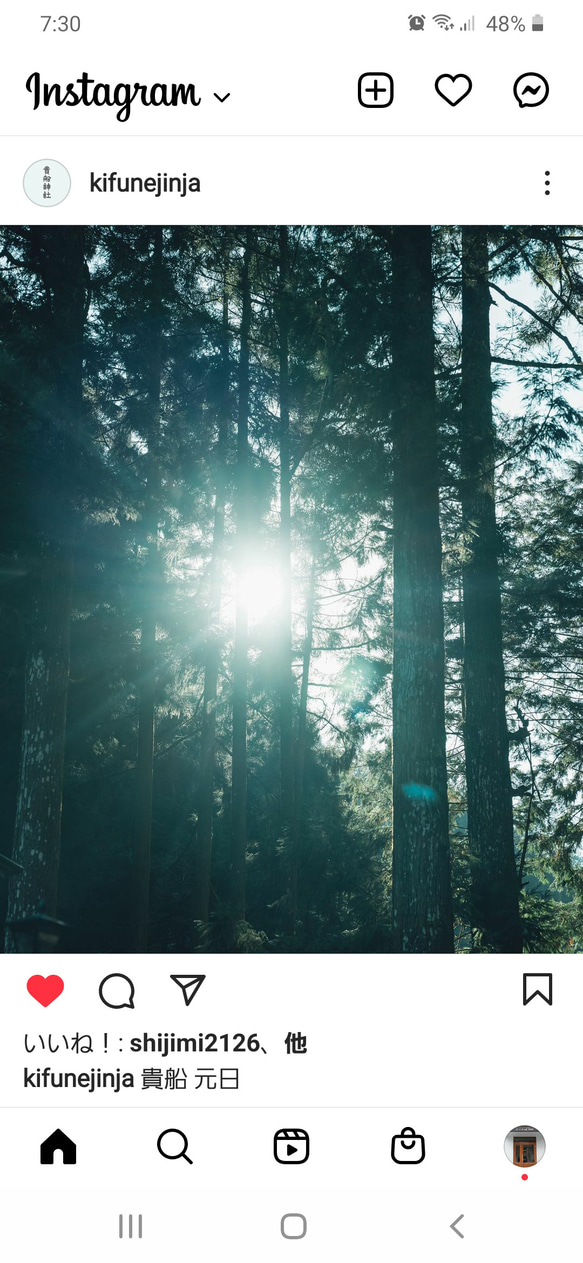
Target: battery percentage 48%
{"points": [[504, 23]]}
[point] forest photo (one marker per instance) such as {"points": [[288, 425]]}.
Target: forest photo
{"points": [[291, 550]]}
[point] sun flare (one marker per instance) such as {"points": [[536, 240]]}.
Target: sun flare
{"points": [[263, 590]]}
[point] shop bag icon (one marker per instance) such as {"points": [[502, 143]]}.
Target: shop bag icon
{"points": [[407, 1147]]}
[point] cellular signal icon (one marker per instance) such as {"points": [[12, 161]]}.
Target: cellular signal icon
{"points": [[444, 21], [469, 25]]}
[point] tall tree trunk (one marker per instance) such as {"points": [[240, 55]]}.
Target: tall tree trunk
{"points": [[59, 258], [302, 737], [142, 843], [242, 506], [490, 825], [422, 909], [37, 842], [204, 840], [285, 674]]}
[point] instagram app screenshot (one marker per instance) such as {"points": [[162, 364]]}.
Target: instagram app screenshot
{"points": [[291, 677]]}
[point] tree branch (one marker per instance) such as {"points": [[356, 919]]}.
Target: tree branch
{"points": [[499, 359], [536, 316]]}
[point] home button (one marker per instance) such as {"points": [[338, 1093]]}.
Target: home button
{"points": [[55, 1142]]}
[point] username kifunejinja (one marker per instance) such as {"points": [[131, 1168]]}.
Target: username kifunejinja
{"points": [[89, 1080], [87, 91], [157, 184]]}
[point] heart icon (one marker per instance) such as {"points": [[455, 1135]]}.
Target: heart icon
{"points": [[453, 88], [45, 990]]}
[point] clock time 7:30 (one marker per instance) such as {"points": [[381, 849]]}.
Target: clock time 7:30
{"points": [[61, 23]]}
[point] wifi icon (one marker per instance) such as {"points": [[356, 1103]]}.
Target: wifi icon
{"points": [[444, 21]]}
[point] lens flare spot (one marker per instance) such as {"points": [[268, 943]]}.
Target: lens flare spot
{"points": [[419, 793]]}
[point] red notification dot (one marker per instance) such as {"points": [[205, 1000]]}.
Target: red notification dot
{"points": [[524, 1177]]}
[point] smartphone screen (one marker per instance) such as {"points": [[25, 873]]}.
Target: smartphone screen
{"points": [[291, 548]]}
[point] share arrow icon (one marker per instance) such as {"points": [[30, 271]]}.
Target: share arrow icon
{"points": [[189, 985]]}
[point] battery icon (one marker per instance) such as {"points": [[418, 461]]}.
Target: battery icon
{"points": [[537, 22]]}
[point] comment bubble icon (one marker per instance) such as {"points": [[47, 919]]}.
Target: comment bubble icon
{"points": [[117, 991]]}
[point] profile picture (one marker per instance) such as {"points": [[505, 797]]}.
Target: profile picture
{"points": [[525, 1146]]}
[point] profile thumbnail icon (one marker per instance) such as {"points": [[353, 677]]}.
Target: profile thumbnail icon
{"points": [[525, 1146], [47, 182]]}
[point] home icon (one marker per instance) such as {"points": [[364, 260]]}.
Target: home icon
{"points": [[58, 1140]]}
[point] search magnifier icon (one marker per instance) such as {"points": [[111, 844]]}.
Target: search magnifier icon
{"points": [[167, 1149]]}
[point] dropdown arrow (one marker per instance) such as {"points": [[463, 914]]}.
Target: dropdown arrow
{"points": [[221, 98], [456, 1230]]}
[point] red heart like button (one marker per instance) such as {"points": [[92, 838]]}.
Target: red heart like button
{"points": [[45, 990]]}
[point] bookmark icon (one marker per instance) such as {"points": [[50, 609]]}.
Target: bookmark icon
{"points": [[531, 987]]}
